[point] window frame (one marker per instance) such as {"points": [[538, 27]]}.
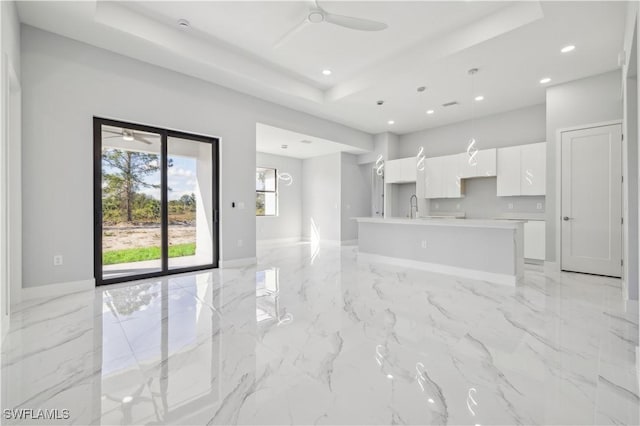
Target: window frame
{"points": [[275, 191]]}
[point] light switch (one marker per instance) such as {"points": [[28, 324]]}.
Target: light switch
{"points": [[241, 205]]}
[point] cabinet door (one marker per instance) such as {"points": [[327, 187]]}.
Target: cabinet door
{"points": [[409, 169], [433, 177], [452, 182], [486, 162], [508, 171], [392, 171], [466, 170], [534, 239], [533, 170]]}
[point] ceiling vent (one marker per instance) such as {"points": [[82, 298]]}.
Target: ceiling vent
{"points": [[305, 141], [448, 104]]}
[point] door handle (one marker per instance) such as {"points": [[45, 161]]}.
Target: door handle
{"points": [[566, 218]]}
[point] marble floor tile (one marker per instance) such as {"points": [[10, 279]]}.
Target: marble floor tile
{"points": [[314, 335]]}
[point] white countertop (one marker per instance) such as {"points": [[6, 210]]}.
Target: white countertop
{"points": [[521, 216], [469, 223]]}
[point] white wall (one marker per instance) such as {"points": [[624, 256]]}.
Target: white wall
{"points": [[10, 163], [321, 202], [517, 127], [581, 102], [355, 195], [66, 83], [288, 223]]}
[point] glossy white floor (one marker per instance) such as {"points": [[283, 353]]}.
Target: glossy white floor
{"points": [[341, 342]]}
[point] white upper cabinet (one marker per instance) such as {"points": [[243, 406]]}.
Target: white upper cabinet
{"points": [[400, 171], [451, 176], [533, 160], [466, 170], [508, 171], [392, 171], [433, 178], [442, 179], [485, 164], [522, 170], [409, 169]]}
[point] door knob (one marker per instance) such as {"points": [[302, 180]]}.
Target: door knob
{"points": [[566, 218]]}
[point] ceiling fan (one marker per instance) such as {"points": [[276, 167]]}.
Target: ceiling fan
{"points": [[127, 135], [317, 15]]}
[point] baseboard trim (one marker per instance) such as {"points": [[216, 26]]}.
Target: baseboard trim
{"points": [[59, 289], [349, 243], [237, 263], [442, 269]]}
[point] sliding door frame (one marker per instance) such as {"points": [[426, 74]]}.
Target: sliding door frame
{"points": [[165, 134]]}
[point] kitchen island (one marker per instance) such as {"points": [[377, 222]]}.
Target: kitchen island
{"points": [[482, 249]]}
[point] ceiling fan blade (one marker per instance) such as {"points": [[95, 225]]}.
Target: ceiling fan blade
{"points": [[141, 139], [111, 137], [112, 131], [354, 23], [286, 36]]}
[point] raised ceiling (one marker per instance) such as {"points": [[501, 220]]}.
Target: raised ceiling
{"points": [[431, 44], [270, 140]]}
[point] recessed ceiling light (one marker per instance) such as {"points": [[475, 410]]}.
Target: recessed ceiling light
{"points": [[391, 122], [183, 24], [567, 49], [127, 399], [326, 72], [479, 98], [430, 111], [284, 146], [545, 80]]}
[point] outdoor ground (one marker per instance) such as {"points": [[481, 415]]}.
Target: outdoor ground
{"points": [[127, 236]]}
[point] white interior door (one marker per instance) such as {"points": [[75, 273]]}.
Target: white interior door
{"points": [[591, 207]]}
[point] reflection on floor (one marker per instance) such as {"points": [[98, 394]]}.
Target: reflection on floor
{"points": [[151, 266], [333, 341]]}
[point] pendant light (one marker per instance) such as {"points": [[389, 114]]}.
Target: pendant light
{"points": [[472, 149], [420, 159], [380, 166]]}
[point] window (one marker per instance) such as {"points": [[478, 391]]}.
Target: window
{"points": [[266, 192]]}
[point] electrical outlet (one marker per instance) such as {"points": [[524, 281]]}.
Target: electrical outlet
{"points": [[510, 206], [437, 206], [424, 244], [241, 205], [240, 243], [57, 260], [539, 206], [457, 206]]}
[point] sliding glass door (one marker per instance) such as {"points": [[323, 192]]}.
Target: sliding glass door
{"points": [[155, 201]]}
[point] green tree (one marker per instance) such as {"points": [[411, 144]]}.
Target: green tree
{"points": [[128, 170], [189, 201]]}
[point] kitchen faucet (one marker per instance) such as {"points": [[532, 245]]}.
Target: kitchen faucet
{"points": [[412, 205]]}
